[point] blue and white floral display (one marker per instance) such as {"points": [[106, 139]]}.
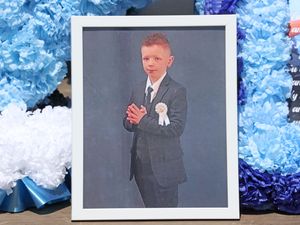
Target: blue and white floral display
{"points": [[35, 45], [269, 146]]}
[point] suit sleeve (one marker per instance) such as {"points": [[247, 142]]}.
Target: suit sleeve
{"points": [[177, 111], [128, 126]]}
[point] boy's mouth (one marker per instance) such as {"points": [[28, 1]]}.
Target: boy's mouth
{"points": [[151, 71]]}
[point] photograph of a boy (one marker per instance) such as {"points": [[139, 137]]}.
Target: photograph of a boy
{"points": [[156, 113]]}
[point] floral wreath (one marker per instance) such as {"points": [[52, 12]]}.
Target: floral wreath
{"points": [[35, 46]]}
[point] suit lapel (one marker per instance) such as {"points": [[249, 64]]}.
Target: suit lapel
{"points": [[163, 88]]}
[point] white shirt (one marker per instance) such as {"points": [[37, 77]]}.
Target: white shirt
{"points": [[154, 86]]}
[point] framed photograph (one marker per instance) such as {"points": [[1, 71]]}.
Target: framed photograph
{"points": [[154, 103]]}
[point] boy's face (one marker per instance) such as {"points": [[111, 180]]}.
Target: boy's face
{"points": [[156, 59]]}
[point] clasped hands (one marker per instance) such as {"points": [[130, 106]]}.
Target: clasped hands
{"points": [[135, 114]]}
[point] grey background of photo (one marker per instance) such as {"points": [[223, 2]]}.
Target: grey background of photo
{"points": [[111, 66]]}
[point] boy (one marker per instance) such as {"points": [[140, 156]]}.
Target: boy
{"points": [[157, 115]]}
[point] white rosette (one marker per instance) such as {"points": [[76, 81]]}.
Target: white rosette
{"points": [[162, 109]]}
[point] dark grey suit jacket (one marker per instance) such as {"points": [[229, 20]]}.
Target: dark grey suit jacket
{"points": [[163, 142]]}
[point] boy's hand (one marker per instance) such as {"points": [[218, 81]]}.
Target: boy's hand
{"points": [[135, 114]]}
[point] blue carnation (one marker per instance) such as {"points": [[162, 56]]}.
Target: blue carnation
{"points": [[52, 23], [220, 6], [200, 6]]}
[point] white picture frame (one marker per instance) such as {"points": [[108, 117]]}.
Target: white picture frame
{"points": [[82, 180]]}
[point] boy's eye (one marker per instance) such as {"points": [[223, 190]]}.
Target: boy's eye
{"points": [[146, 59], [157, 59]]}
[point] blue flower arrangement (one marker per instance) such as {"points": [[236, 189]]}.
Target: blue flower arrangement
{"points": [[267, 141], [34, 48], [35, 45], [219, 6], [200, 6], [269, 146]]}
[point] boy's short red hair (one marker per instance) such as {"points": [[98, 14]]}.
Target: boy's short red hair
{"points": [[156, 39]]}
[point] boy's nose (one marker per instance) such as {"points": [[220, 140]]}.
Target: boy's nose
{"points": [[151, 61]]}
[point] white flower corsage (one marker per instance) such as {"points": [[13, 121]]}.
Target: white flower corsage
{"points": [[162, 109]]}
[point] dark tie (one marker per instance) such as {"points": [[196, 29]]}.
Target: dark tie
{"points": [[148, 97]]}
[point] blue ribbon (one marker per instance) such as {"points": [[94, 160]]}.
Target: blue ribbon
{"points": [[27, 194]]}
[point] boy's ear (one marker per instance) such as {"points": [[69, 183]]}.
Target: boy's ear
{"points": [[171, 60]]}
